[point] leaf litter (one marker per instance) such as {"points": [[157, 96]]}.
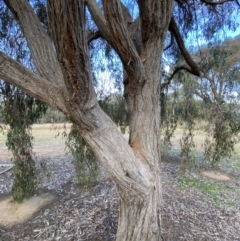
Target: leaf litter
{"points": [[80, 213]]}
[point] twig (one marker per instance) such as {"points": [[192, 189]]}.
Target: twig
{"points": [[6, 170]]}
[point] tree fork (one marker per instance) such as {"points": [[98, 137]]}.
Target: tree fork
{"points": [[135, 167]]}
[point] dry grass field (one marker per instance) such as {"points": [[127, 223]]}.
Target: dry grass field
{"points": [[199, 137], [48, 140]]}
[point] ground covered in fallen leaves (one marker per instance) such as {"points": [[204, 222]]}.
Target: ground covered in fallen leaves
{"points": [[194, 207]]}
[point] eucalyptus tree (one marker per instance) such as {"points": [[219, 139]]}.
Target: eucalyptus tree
{"points": [[64, 80], [212, 98], [221, 95]]}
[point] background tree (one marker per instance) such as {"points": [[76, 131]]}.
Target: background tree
{"points": [[64, 79], [212, 98], [222, 68]]}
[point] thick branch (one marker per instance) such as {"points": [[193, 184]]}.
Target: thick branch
{"points": [[152, 20], [39, 42], [121, 40], [114, 28], [118, 157], [126, 14], [174, 29], [98, 18], [122, 164], [67, 25], [16, 74]]}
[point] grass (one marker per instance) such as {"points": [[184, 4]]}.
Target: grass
{"points": [[213, 190], [233, 163], [235, 160], [199, 137], [216, 192], [42, 133], [48, 133], [48, 140]]}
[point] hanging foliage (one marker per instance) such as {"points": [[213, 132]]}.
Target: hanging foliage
{"points": [[19, 113], [84, 160]]}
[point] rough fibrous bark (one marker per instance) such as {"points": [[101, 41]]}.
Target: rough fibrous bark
{"points": [[39, 42], [13, 72], [64, 80]]}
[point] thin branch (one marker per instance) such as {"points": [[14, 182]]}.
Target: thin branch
{"points": [[6, 170], [214, 3], [171, 42], [176, 70], [202, 95], [174, 29], [212, 85], [94, 36], [214, 89], [39, 42]]}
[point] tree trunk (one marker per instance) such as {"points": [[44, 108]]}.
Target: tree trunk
{"points": [[139, 185], [134, 166], [139, 217]]}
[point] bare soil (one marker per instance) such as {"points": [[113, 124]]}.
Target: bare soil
{"points": [[79, 213], [216, 175], [13, 213]]}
